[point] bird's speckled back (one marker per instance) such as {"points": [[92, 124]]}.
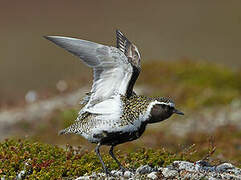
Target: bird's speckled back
{"points": [[131, 107]]}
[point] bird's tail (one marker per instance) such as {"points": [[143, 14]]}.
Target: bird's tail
{"points": [[73, 129], [63, 131]]}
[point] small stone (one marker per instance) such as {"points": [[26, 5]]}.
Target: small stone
{"points": [[187, 176], [128, 174], [83, 178], [20, 175], [119, 173], [113, 171], [169, 173], [210, 178], [184, 165], [144, 169], [93, 175], [102, 174], [224, 167], [204, 166], [159, 168], [111, 178], [152, 175]]}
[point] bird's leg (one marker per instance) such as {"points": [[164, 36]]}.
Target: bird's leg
{"points": [[97, 150], [116, 160]]}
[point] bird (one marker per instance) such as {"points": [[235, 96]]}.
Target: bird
{"points": [[112, 112]]}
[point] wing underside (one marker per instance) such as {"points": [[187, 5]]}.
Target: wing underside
{"points": [[112, 71]]}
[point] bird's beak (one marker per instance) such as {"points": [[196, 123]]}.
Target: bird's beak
{"points": [[178, 112]]}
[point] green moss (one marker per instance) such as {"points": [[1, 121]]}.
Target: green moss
{"points": [[46, 161], [157, 157]]}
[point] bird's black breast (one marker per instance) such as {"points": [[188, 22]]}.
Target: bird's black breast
{"points": [[132, 108], [115, 138]]}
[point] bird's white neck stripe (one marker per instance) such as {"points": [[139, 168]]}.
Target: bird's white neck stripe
{"points": [[146, 115], [168, 104]]}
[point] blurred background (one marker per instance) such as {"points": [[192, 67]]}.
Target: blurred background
{"points": [[190, 51]]}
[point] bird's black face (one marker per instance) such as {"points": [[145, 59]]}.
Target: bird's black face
{"points": [[160, 112]]}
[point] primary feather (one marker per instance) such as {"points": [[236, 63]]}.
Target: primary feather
{"points": [[112, 71]]}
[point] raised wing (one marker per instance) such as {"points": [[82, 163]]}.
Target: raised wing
{"points": [[112, 71], [133, 55], [128, 48], [122, 42]]}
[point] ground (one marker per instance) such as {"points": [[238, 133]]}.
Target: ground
{"points": [[208, 94]]}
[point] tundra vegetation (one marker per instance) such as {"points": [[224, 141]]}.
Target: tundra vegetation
{"points": [[195, 86]]}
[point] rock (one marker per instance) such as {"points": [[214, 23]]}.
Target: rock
{"points": [[204, 166], [101, 175], [152, 175], [224, 167], [113, 171], [177, 170], [111, 178], [202, 169], [168, 173], [128, 174], [94, 174], [212, 178], [21, 174], [144, 169], [118, 173], [184, 165], [83, 178]]}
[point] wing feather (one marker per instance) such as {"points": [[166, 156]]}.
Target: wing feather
{"points": [[112, 71], [133, 55]]}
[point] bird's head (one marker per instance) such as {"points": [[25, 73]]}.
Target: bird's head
{"points": [[163, 109]]}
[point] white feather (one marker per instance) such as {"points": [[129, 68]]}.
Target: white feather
{"points": [[112, 71]]}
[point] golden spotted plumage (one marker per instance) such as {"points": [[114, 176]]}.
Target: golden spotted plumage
{"points": [[132, 108]]}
